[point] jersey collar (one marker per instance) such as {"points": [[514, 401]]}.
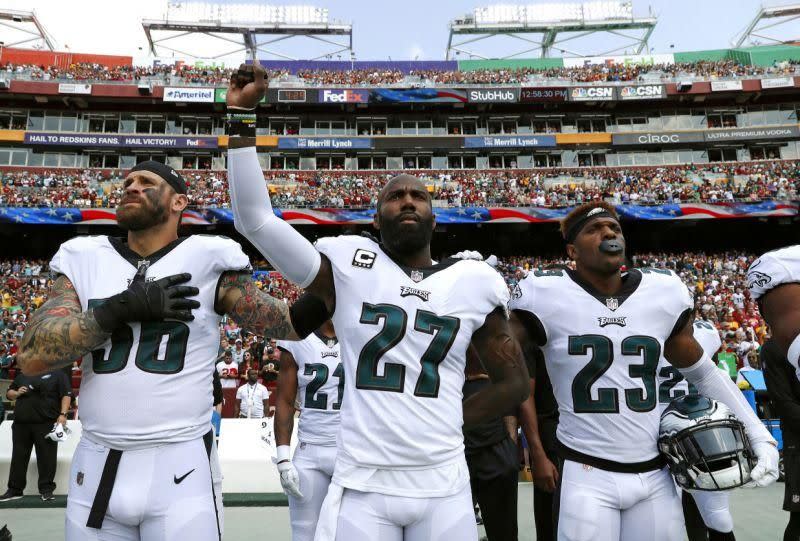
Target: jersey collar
{"points": [[419, 274], [326, 339], [135, 259], [630, 283]]}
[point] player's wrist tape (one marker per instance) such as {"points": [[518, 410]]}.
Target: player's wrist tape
{"points": [[794, 352], [241, 122], [284, 452]]}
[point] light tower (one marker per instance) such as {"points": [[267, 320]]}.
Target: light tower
{"points": [[248, 27], [547, 27]]}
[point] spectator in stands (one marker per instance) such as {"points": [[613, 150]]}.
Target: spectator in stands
{"points": [[238, 352], [41, 401], [784, 392], [228, 372], [252, 398]]}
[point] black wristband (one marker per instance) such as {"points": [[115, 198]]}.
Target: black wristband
{"points": [[241, 123], [308, 314]]}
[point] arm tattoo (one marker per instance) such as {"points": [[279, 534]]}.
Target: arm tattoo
{"points": [[253, 310], [59, 332]]}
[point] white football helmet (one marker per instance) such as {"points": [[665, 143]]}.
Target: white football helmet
{"points": [[58, 433], [704, 444]]}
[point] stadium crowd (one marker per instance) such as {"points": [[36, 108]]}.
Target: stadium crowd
{"points": [[716, 182], [718, 281], [185, 74]]}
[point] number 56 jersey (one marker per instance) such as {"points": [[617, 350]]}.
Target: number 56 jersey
{"points": [[602, 355], [404, 334], [150, 383]]}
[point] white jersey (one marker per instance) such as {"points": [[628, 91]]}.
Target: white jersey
{"points": [[774, 268], [320, 387], [602, 355], [404, 335], [671, 383], [150, 383]]}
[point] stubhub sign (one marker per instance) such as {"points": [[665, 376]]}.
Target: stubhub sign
{"points": [[494, 95], [344, 96]]}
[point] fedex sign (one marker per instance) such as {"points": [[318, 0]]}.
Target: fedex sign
{"points": [[343, 96]]}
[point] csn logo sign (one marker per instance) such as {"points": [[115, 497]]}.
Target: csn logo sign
{"points": [[343, 96], [642, 92], [592, 93]]}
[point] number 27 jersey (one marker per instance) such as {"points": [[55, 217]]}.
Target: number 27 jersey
{"points": [[404, 334], [602, 355]]}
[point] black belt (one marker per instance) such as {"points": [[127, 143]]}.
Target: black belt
{"points": [[655, 463], [103, 494]]}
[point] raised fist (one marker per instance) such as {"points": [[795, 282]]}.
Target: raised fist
{"points": [[247, 86]]}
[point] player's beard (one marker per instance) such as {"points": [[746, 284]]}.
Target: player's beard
{"points": [[406, 238], [149, 213]]}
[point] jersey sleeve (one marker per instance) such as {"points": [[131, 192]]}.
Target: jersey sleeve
{"points": [[679, 301], [773, 269], [286, 345], [64, 261], [522, 296], [229, 256]]}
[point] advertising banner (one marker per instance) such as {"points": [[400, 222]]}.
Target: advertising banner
{"points": [[657, 138], [543, 94], [642, 92], [628, 60], [417, 95], [338, 143], [591, 93], [743, 134], [190, 95], [777, 82], [343, 96], [493, 95], [70, 88], [723, 86], [510, 141], [136, 141]]}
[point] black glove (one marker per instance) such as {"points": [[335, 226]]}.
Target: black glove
{"points": [[149, 301]]}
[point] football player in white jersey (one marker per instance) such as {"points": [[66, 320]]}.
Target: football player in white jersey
{"points": [[311, 377], [144, 314], [404, 324], [713, 506], [602, 332], [774, 281]]}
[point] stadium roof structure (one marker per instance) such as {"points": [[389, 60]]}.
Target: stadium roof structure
{"points": [[774, 17], [251, 28], [551, 21], [25, 27]]}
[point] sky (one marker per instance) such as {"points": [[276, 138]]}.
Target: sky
{"points": [[400, 30]]}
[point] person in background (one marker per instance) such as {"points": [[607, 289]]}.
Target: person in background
{"points": [[228, 371], [252, 398], [784, 393], [41, 401], [238, 352], [492, 461]]}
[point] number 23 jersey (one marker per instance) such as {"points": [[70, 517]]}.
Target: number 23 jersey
{"points": [[404, 335], [602, 354], [150, 383]]}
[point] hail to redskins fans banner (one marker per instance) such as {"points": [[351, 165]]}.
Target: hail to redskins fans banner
{"points": [[460, 215]]}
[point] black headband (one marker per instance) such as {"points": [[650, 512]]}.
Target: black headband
{"points": [[580, 223], [166, 172]]}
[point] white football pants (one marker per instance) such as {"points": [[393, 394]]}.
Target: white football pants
{"points": [[314, 465], [599, 505]]}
